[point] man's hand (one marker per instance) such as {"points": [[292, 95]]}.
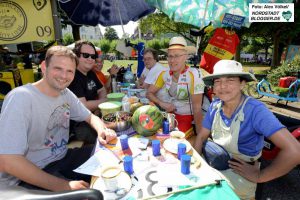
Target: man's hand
{"points": [[106, 135], [168, 107], [76, 185], [250, 172]]}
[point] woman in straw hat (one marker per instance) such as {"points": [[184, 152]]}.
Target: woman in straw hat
{"points": [[239, 123], [179, 89]]}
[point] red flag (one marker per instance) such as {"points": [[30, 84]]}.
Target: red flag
{"points": [[221, 46]]}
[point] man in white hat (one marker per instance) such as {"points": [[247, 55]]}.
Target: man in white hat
{"points": [[182, 87], [239, 124]]}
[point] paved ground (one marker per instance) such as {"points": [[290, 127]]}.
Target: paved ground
{"points": [[284, 188], [291, 110]]}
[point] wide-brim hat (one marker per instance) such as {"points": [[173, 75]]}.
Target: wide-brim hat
{"points": [[180, 43], [228, 68]]}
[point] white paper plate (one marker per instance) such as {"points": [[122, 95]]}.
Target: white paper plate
{"points": [[124, 182], [171, 144]]}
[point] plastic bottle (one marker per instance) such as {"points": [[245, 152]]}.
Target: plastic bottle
{"points": [[166, 126], [114, 84], [125, 104], [128, 76], [118, 87]]}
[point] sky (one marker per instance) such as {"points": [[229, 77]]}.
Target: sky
{"points": [[128, 28]]}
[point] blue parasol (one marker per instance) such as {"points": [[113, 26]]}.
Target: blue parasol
{"points": [[105, 12]]}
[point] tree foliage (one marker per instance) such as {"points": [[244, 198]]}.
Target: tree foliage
{"points": [[155, 44], [105, 45], [110, 34], [160, 24], [68, 39], [281, 34], [255, 44], [286, 69]]}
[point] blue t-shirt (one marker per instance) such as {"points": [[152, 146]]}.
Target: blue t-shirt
{"points": [[258, 123]]}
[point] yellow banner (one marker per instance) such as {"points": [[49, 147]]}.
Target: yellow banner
{"points": [[25, 21], [218, 52]]}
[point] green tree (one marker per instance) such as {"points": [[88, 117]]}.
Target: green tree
{"points": [[160, 24], [113, 45], [255, 44], [281, 34], [110, 34], [68, 39], [155, 44], [105, 46]]}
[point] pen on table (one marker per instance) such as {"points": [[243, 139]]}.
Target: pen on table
{"points": [[121, 161], [216, 182]]}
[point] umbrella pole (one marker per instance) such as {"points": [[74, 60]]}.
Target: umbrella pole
{"points": [[116, 4], [198, 44], [56, 22], [202, 25]]}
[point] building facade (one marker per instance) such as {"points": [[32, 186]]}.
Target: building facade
{"points": [[86, 32]]}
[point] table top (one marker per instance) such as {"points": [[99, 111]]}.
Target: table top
{"points": [[160, 176]]}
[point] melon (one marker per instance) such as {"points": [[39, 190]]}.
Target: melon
{"points": [[146, 120]]}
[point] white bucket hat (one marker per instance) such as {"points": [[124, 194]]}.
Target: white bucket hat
{"points": [[228, 68], [180, 43]]}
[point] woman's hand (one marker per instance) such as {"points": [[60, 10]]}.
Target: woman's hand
{"points": [[141, 81], [248, 171], [114, 70]]}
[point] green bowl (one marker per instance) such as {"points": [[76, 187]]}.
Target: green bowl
{"points": [[115, 96], [110, 107]]}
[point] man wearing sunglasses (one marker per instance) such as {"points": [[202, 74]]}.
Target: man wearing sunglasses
{"points": [[87, 88]]}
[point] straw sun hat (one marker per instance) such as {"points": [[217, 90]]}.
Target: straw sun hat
{"points": [[180, 43], [228, 68]]}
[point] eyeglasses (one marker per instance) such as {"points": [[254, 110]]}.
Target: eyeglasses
{"points": [[87, 55], [176, 57]]}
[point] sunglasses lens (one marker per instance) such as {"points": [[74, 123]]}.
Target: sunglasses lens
{"points": [[87, 55]]}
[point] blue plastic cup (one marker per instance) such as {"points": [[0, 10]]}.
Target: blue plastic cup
{"points": [[185, 164], [156, 147], [124, 142], [127, 162], [181, 150]]}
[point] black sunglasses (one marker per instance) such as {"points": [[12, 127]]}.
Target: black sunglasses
{"points": [[87, 55]]}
